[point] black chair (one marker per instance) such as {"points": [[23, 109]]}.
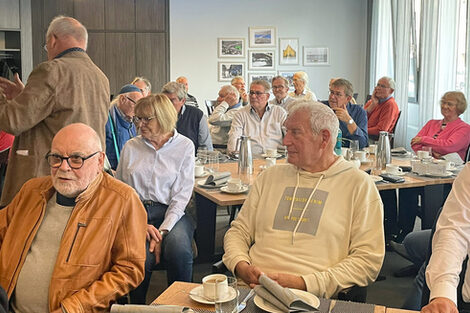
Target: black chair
{"points": [[3, 167], [392, 137], [467, 155], [354, 293], [210, 104]]}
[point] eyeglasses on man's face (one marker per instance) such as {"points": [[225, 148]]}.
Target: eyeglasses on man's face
{"points": [[74, 161], [131, 100], [279, 87], [336, 93], [257, 93], [143, 120]]}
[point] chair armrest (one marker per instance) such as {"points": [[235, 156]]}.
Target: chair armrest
{"points": [[219, 268], [354, 293]]}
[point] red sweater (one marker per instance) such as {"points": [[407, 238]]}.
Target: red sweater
{"points": [[383, 117]]}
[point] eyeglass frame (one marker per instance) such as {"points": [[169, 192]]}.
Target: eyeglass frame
{"points": [[336, 93], [131, 100], [144, 120], [257, 93], [62, 158]]}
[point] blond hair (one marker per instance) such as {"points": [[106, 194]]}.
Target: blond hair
{"points": [[163, 109]]}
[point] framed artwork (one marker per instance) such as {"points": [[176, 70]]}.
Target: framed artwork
{"points": [[268, 76], [262, 36], [288, 51], [231, 47], [228, 70], [261, 59], [289, 75], [316, 56]]}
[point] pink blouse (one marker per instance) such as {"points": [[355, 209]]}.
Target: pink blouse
{"points": [[455, 137]]}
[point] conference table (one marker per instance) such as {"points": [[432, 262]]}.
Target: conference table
{"points": [[177, 294], [207, 200]]}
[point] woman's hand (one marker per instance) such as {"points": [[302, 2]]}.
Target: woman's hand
{"points": [[415, 140], [153, 234]]}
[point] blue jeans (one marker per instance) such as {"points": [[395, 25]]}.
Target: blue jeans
{"points": [[417, 245], [176, 255]]}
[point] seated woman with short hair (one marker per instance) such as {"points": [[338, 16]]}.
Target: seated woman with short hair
{"points": [[159, 165]]}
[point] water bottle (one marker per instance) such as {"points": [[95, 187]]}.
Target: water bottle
{"points": [[338, 142]]}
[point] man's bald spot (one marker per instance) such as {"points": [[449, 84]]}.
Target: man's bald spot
{"points": [[81, 134]]}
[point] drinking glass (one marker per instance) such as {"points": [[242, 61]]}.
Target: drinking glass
{"points": [[201, 155], [354, 145], [213, 161], [227, 302]]}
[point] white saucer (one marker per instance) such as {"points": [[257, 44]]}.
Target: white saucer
{"points": [[204, 174], [367, 161], [225, 189], [397, 174], [304, 295], [277, 156], [447, 174], [202, 181], [197, 294], [376, 178]]}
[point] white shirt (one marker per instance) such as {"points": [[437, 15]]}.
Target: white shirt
{"points": [[220, 121], [165, 175], [285, 103], [306, 95], [265, 132], [451, 243]]}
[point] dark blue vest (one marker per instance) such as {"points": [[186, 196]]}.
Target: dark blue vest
{"points": [[188, 124]]}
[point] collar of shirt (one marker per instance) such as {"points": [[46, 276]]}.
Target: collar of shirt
{"points": [[183, 108], [147, 142], [123, 116], [383, 100], [268, 108], [239, 104], [68, 51]]}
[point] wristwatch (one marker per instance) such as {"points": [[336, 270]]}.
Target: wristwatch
{"points": [[351, 121], [163, 233]]}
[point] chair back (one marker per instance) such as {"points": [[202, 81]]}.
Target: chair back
{"points": [[210, 104], [393, 130], [467, 155]]}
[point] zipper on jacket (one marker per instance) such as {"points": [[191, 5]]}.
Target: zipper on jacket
{"points": [[79, 225]]}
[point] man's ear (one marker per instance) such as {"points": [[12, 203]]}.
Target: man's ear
{"points": [[325, 138]]}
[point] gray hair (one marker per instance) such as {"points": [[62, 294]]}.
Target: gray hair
{"points": [[390, 81], [284, 80], [174, 87], [63, 26], [348, 87], [303, 76], [265, 84], [322, 117], [229, 89], [145, 80], [237, 78]]}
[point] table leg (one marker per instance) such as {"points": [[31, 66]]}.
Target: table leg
{"points": [[205, 230]]}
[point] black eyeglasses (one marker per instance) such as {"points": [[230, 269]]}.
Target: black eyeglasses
{"points": [[144, 120], [257, 93], [336, 93], [131, 100], [74, 161]]}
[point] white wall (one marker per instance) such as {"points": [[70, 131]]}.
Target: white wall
{"points": [[337, 24]]}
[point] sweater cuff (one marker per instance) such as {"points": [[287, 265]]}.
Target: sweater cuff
{"points": [[445, 290]]}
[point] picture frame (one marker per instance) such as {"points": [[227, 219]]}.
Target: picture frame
{"points": [[230, 69], [267, 76], [289, 75], [316, 56], [264, 36], [261, 59], [288, 51], [231, 47]]}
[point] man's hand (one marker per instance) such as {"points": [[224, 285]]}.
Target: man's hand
{"points": [[156, 249], [243, 95], [374, 103], [248, 273], [231, 99], [11, 89], [440, 305], [153, 234], [342, 114], [288, 280], [415, 140]]}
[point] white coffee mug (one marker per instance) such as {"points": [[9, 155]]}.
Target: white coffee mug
{"points": [[198, 170], [423, 154], [372, 149], [211, 282], [361, 155], [234, 184], [449, 164], [393, 169], [270, 162], [271, 152]]}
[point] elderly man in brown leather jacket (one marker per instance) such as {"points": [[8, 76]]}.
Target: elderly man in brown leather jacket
{"points": [[73, 241]]}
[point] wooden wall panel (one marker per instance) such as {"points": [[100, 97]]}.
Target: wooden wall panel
{"points": [[120, 14], [10, 14], [52, 8], [120, 59], [152, 59], [90, 13], [97, 49], [151, 15]]}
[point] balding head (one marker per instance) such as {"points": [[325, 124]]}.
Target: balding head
{"points": [[64, 33], [183, 80], [78, 142]]}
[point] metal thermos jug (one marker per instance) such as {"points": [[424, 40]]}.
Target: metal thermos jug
{"points": [[384, 155], [245, 157]]}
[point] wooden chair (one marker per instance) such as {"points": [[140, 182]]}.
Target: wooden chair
{"points": [[210, 104]]}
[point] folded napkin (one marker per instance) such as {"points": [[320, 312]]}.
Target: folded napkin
{"points": [[399, 150], [134, 308], [217, 179], [282, 298], [453, 157]]}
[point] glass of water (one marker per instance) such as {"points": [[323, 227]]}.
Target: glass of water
{"points": [[213, 161], [226, 301], [201, 155], [354, 145]]}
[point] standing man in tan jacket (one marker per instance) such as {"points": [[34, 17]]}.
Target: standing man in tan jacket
{"points": [[68, 88], [73, 241]]}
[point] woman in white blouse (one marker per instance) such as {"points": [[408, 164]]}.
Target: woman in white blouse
{"points": [[300, 80], [159, 165]]}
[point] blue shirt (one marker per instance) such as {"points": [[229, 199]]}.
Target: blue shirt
{"points": [[165, 175], [359, 115], [123, 131]]}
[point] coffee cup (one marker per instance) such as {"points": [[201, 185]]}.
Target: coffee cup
{"points": [[214, 284], [422, 154], [271, 153], [372, 149], [393, 169], [449, 165], [198, 170], [361, 155], [270, 162], [234, 184]]}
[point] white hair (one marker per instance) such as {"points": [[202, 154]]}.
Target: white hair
{"points": [[391, 82], [322, 117], [63, 26], [229, 89]]}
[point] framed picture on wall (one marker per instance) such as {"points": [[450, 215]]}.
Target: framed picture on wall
{"points": [[228, 70], [231, 47], [289, 75], [288, 51], [267, 76], [261, 59], [262, 36], [316, 56]]}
